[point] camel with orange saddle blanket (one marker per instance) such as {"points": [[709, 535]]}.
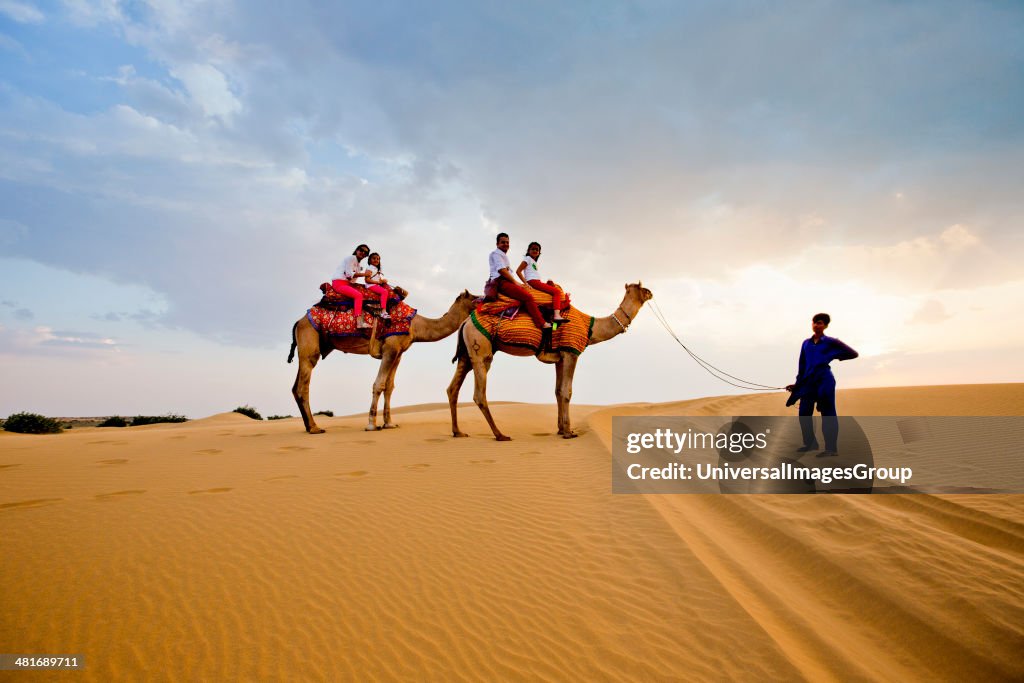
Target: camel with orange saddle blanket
{"points": [[487, 331]]}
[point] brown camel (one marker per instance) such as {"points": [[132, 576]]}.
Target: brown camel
{"points": [[476, 351], [313, 346]]}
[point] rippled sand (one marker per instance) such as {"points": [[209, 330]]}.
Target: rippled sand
{"points": [[229, 549]]}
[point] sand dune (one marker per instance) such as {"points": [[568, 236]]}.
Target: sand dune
{"points": [[226, 548]]}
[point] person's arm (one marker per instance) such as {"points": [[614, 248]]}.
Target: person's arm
{"points": [[519, 272], [841, 351]]}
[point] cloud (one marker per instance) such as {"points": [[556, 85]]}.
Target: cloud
{"points": [[258, 144], [21, 12], [931, 312], [23, 314]]}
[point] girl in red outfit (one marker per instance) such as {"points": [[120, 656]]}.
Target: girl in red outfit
{"points": [[529, 273]]}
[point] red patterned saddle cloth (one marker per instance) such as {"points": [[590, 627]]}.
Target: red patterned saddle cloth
{"points": [[336, 322], [371, 300]]}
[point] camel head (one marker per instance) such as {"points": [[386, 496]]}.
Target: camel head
{"points": [[640, 293], [465, 301]]}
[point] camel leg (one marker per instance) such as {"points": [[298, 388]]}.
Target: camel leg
{"points": [[480, 368], [309, 353], [461, 370], [565, 369], [379, 384], [388, 388]]}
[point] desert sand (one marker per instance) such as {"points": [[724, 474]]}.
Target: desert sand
{"points": [[230, 549]]}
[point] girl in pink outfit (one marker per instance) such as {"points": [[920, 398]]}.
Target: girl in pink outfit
{"points": [[377, 283], [346, 274]]}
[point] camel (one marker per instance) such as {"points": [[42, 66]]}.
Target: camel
{"points": [[476, 351], [313, 346]]}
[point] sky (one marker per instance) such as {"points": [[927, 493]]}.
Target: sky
{"points": [[177, 178]]}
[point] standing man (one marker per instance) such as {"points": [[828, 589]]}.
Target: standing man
{"points": [[501, 276], [815, 384]]}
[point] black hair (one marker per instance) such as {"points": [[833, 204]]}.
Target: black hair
{"points": [[530, 246], [823, 317], [500, 235], [379, 269], [361, 246]]}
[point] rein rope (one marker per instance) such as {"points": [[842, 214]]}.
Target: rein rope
{"points": [[708, 367]]}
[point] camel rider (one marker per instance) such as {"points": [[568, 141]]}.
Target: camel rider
{"points": [[346, 275], [377, 283], [529, 273], [502, 278]]}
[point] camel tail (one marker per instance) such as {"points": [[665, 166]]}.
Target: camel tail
{"points": [[460, 350], [291, 353]]}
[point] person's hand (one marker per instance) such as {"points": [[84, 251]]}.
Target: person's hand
{"points": [[790, 387], [551, 282]]}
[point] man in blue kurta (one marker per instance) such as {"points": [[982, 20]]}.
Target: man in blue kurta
{"points": [[815, 384]]}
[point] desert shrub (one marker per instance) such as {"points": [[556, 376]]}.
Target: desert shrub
{"points": [[248, 411], [278, 417], [156, 419], [114, 421], [31, 423], [328, 413]]}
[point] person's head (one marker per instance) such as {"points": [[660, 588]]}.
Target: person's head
{"points": [[533, 251], [374, 260], [502, 241], [819, 322], [361, 251]]}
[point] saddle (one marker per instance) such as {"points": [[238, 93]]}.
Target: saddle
{"points": [[333, 301]]}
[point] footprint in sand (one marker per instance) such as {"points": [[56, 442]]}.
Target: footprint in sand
{"points": [[543, 434], [210, 451], [282, 477], [295, 448], [530, 453], [176, 437], [106, 443], [13, 464], [418, 466], [436, 440], [105, 497], [113, 461], [483, 462], [355, 474], [34, 503], [252, 436], [225, 433], [366, 442], [217, 490]]}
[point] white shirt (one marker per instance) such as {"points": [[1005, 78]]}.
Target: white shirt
{"points": [[373, 279], [498, 260], [348, 268], [531, 272]]}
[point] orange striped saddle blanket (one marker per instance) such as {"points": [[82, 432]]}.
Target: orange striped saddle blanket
{"points": [[519, 330]]}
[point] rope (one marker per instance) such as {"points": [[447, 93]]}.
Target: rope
{"points": [[708, 367]]}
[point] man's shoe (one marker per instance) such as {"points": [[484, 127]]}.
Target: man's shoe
{"points": [[828, 454], [807, 449]]}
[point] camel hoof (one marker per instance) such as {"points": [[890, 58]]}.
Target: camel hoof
{"points": [[390, 426], [569, 435], [370, 428], [316, 430], [502, 437], [460, 435]]}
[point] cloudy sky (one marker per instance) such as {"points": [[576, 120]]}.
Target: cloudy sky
{"points": [[176, 178]]}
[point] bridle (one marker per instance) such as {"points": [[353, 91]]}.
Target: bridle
{"points": [[625, 315]]}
